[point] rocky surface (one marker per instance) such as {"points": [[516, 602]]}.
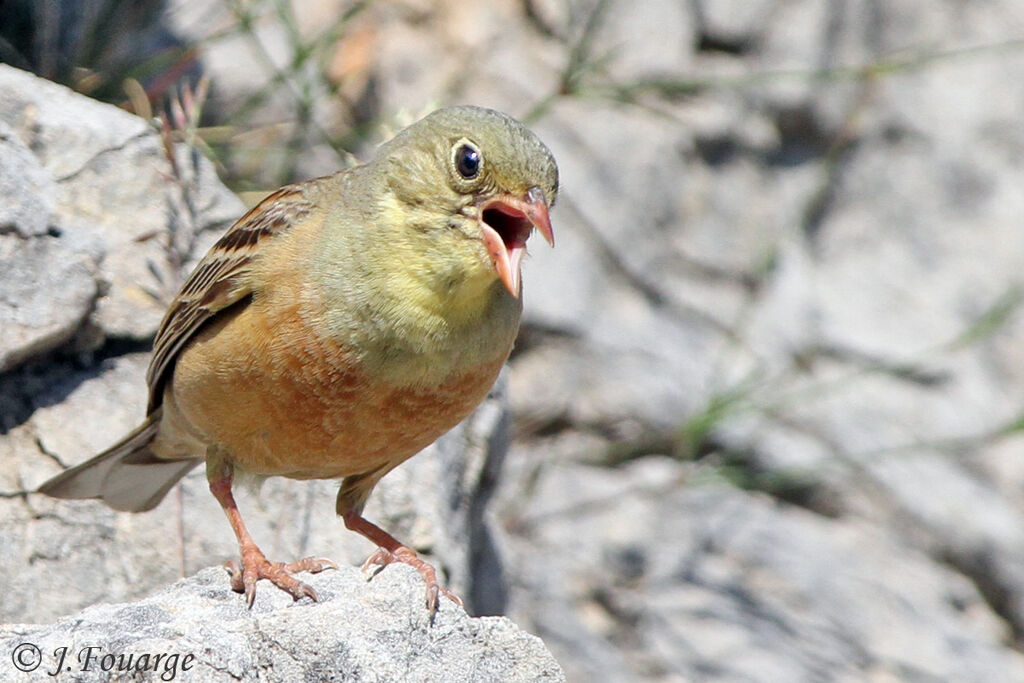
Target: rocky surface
{"points": [[697, 580], [767, 401], [198, 629]]}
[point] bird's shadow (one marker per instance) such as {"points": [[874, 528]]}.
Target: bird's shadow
{"points": [[49, 379]]}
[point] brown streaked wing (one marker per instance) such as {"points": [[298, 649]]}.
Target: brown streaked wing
{"points": [[218, 281]]}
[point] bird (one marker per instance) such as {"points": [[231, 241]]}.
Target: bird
{"points": [[337, 329]]}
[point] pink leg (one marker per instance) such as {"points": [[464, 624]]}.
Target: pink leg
{"points": [[255, 565], [390, 550]]}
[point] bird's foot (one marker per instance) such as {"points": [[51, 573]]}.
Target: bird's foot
{"points": [[406, 555], [255, 566]]}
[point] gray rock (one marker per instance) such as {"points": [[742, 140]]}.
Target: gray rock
{"points": [[48, 292], [732, 25], [360, 631], [646, 572], [844, 256], [31, 192], [47, 287], [67, 132], [105, 223], [650, 39]]}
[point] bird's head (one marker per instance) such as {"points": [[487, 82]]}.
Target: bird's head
{"points": [[474, 184]]}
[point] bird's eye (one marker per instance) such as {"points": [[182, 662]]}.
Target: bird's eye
{"points": [[467, 161]]}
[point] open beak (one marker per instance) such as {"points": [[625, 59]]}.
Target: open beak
{"points": [[507, 222]]}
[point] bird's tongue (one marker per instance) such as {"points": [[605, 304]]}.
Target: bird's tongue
{"points": [[506, 257], [506, 223]]}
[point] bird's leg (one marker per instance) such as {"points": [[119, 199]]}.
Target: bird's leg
{"points": [[355, 489], [390, 550], [255, 565]]}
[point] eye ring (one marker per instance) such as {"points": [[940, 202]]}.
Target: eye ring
{"points": [[467, 160]]}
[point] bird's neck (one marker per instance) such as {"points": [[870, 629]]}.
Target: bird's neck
{"points": [[413, 318], [417, 341]]}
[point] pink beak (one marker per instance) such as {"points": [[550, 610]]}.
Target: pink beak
{"points": [[507, 222]]}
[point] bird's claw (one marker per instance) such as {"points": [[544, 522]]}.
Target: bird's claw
{"points": [[255, 566], [405, 555], [313, 565]]}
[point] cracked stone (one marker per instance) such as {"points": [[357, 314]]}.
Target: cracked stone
{"points": [[48, 290], [349, 635]]}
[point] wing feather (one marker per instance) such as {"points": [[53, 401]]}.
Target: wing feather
{"points": [[219, 281]]}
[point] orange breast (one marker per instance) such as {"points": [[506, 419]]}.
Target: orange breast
{"points": [[282, 401]]}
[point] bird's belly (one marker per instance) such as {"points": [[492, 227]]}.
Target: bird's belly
{"points": [[315, 431], [303, 408]]}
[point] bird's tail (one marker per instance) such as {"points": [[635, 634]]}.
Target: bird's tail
{"points": [[127, 476]]}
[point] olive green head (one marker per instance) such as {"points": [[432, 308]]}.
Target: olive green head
{"points": [[458, 155], [472, 184]]}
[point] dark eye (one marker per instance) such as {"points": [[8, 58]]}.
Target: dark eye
{"points": [[467, 161]]}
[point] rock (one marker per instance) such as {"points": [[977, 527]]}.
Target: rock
{"points": [[102, 228], [49, 287], [95, 232], [731, 26], [654, 39], [31, 191], [646, 572], [824, 275], [377, 630], [49, 290]]}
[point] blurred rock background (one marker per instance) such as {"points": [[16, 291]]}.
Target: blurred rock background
{"points": [[767, 403]]}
